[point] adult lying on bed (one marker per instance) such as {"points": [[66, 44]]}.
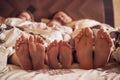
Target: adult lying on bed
{"points": [[60, 17]]}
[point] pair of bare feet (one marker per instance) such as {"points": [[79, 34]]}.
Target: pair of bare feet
{"points": [[84, 43], [31, 52], [59, 55]]}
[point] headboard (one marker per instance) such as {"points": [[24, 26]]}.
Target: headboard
{"points": [[77, 9]]}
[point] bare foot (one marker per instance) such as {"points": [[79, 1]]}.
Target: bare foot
{"points": [[103, 44], [37, 52], [22, 51], [83, 45], [65, 54], [52, 52]]}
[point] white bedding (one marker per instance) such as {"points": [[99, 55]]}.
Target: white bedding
{"points": [[15, 73]]}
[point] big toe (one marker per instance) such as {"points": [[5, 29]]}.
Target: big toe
{"points": [[108, 38], [88, 32]]}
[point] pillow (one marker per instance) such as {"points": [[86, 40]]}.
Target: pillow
{"points": [[116, 54], [83, 22]]}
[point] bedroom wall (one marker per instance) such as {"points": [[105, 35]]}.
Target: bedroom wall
{"points": [[116, 7], [77, 9]]}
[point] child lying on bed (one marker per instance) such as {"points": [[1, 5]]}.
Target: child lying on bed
{"points": [[26, 16], [21, 18]]}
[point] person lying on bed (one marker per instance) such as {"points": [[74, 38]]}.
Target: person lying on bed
{"points": [[59, 20], [62, 19], [31, 51], [22, 18], [26, 16]]}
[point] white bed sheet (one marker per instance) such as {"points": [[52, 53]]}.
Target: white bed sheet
{"points": [[15, 73]]}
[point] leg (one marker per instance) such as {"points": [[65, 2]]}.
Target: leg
{"points": [[21, 48], [14, 59], [83, 45], [65, 54], [103, 45], [37, 52], [52, 52]]}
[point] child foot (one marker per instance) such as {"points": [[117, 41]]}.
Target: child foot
{"points": [[37, 52], [52, 52], [83, 45], [65, 54], [22, 51], [103, 44]]}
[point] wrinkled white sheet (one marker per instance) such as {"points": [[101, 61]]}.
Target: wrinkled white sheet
{"points": [[15, 73]]}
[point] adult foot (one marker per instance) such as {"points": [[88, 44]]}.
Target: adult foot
{"points": [[37, 52], [52, 52], [83, 45], [65, 54], [22, 51], [103, 44]]}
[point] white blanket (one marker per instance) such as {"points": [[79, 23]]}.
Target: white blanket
{"points": [[60, 74]]}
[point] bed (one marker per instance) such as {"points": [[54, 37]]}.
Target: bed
{"points": [[100, 10]]}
